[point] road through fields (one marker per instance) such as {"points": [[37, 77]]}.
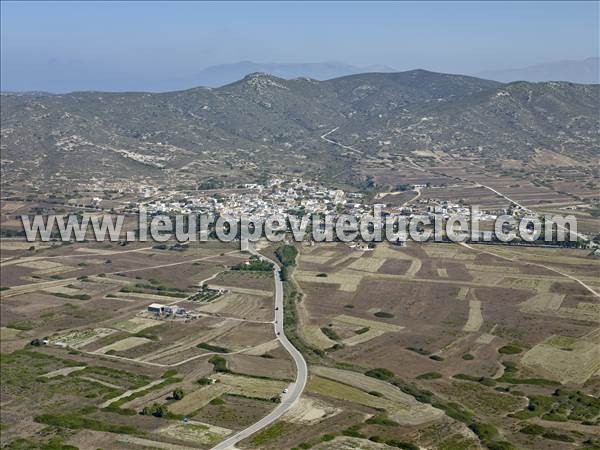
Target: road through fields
{"points": [[295, 389]]}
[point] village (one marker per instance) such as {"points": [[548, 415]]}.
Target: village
{"points": [[279, 196]]}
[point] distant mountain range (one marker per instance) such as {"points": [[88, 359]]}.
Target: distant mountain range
{"points": [[576, 71], [580, 71], [219, 75]]}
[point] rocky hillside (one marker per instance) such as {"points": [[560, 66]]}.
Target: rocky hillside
{"points": [[264, 124]]}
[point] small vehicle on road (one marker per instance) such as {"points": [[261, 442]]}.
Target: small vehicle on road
{"points": [[285, 391]]}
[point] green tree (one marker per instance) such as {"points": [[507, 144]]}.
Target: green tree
{"points": [[156, 410], [178, 393]]}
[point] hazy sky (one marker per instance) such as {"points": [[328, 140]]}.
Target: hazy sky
{"points": [[62, 46]]}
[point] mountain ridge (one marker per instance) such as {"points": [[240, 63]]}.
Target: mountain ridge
{"points": [[266, 124], [584, 71]]}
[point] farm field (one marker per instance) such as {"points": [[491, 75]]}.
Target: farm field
{"points": [[402, 342], [488, 328], [76, 332], [400, 406]]}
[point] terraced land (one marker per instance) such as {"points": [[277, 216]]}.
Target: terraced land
{"points": [[416, 345], [463, 331], [83, 353]]}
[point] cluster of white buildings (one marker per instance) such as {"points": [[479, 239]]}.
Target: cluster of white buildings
{"points": [[447, 209], [432, 208], [277, 196], [280, 196]]}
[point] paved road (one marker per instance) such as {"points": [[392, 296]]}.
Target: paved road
{"points": [[294, 390]]}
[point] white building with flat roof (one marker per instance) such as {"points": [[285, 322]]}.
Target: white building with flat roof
{"points": [[156, 308]]}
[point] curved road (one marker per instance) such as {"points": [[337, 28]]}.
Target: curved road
{"points": [[294, 389]]}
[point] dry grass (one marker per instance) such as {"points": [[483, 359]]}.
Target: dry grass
{"points": [[7, 334], [62, 290], [34, 287], [40, 265], [256, 366], [63, 372], [475, 318], [485, 338], [328, 253], [493, 269], [81, 338], [583, 311], [442, 273], [385, 251], [359, 322], [123, 344], [350, 443], [199, 398], [462, 293], [18, 261], [96, 251], [415, 266], [111, 279], [252, 307], [367, 264], [341, 261], [241, 290], [542, 303], [448, 251], [315, 259], [548, 158], [136, 324], [364, 337], [478, 398], [263, 348], [348, 280], [375, 328], [316, 338], [547, 255], [539, 285], [15, 245], [353, 387], [153, 297], [310, 411], [195, 432], [251, 387], [330, 388], [54, 271], [137, 442], [188, 342], [365, 383], [568, 360], [131, 391]]}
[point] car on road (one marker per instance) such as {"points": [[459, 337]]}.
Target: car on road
{"points": [[285, 391]]}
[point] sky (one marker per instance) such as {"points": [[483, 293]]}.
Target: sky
{"points": [[116, 46]]}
